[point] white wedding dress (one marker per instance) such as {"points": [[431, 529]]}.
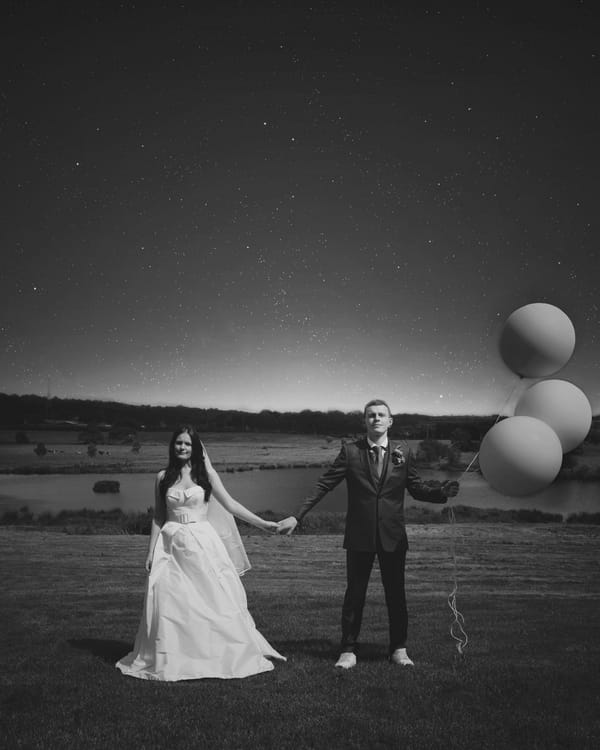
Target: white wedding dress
{"points": [[195, 621]]}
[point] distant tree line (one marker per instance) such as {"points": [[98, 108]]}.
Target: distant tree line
{"points": [[36, 412]]}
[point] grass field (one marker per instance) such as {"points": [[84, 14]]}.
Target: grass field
{"points": [[226, 450], [529, 678]]}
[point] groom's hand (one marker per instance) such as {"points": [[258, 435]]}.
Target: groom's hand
{"points": [[287, 525], [450, 488]]}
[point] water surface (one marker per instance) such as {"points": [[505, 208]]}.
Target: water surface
{"points": [[279, 490]]}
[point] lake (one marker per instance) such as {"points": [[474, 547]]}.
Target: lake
{"points": [[279, 490]]}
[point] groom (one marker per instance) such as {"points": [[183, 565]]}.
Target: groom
{"points": [[377, 471]]}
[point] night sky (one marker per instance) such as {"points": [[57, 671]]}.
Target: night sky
{"points": [[292, 205]]}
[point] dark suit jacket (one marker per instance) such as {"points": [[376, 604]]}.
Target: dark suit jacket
{"points": [[373, 503]]}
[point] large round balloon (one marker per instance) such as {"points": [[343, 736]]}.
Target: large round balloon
{"points": [[537, 340], [520, 456], [562, 406]]}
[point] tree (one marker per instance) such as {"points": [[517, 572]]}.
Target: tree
{"points": [[431, 450], [461, 438], [91, 450], [40, 449], [123, 433], [453, 454], [436, 451], [21, 438]]}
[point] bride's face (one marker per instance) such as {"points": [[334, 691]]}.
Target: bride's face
{"points": [[183, 447]]}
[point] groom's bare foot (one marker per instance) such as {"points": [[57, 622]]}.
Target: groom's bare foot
{"points": [[347, 660]]}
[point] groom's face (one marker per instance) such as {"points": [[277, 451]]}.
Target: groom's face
{"points": [[378, 420]]}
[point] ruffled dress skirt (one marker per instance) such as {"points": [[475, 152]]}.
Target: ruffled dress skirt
{"points": [[195, 623]]}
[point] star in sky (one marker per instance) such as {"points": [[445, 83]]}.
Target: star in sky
{"points": [[277, 205]]}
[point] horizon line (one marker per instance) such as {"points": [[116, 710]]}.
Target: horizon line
{"points": [[245, 410]]}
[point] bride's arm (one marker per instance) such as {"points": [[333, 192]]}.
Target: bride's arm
{"points": [[228, 502], [157, 521]]}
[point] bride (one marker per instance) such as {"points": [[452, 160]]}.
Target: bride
{"points": [[195, 622]]}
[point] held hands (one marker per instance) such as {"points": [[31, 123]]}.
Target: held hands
{"points": [[282, 527], [287, 525], [450, 488], [270, 526]]}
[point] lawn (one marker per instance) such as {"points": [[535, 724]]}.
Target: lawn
{"points": [[529, 676], [227, 451]]}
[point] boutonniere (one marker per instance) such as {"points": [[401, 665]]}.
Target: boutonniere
{"points": [[398, 457]]}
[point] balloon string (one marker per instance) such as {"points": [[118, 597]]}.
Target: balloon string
{"points": [[476, 456], [510, 395], [457, 629]]}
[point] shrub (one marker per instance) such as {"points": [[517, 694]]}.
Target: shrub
{"points": [[21, 438], [10, 517], [40, 449], [461, 438], [593, 518], [431, 450], [123, 433], [107, 485], [569, 461]]}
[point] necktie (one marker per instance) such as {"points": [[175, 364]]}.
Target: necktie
{"points": [[377, 458]]}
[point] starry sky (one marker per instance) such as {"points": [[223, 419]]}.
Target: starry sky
{"points": [[294, 205]]}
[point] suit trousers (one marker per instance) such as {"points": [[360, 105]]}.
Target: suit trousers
{"points": [[358, 571]]}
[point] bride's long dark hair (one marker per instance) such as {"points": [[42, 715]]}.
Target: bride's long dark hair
{"points": [[198, 471]]}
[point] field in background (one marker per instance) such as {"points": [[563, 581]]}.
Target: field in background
{"points": [[226, 450]]}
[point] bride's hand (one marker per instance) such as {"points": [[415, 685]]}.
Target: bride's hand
{"points": [[148, 563]]}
